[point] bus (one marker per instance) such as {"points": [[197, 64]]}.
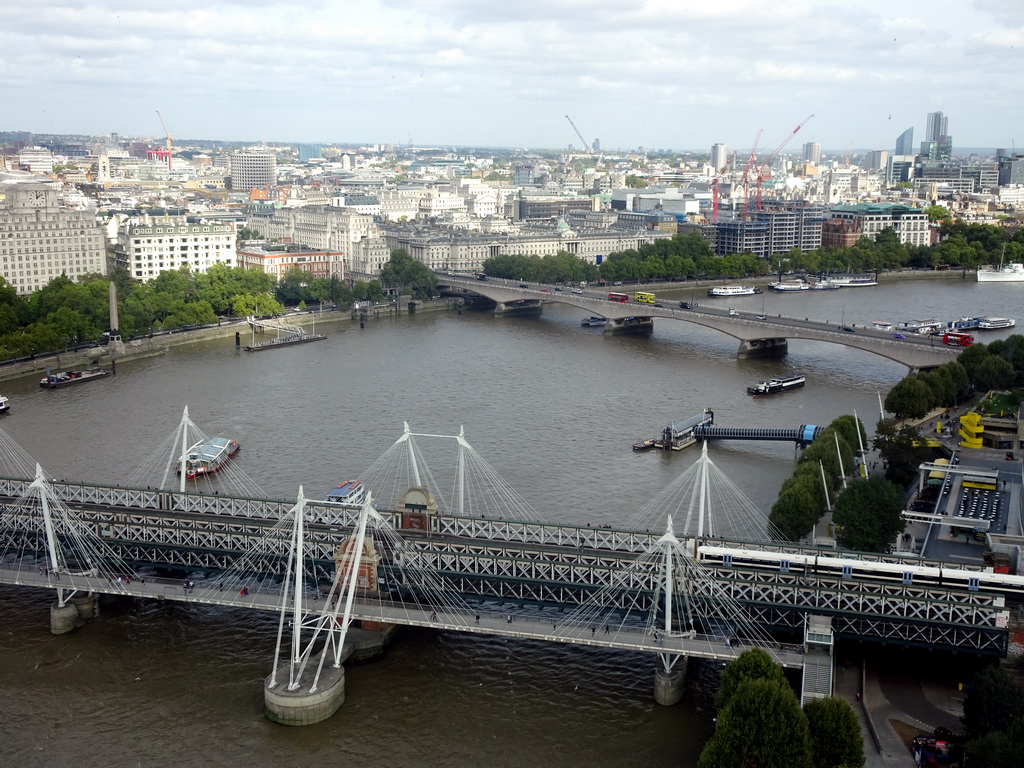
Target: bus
{"points": [[937, 476], [957, 339], [622, 298], [643, 298], [980, 482]]}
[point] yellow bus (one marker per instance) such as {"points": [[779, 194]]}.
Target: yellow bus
{"points": [[643, 297], [937, 476]]}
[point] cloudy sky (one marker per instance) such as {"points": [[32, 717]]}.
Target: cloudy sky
{"points": [[655, 73]]}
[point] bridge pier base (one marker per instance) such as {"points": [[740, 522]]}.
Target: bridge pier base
{"points": [[85, 605], [518, 308], [300, 707], [64, 618], [752, 348], [670, 686], [621, 325]]}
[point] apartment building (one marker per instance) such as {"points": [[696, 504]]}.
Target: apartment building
{"points": [[153, 244], [868, 219], [277, 261]]}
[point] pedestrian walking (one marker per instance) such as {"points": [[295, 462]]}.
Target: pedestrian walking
{"points": [[433, 615], [591, 631], [477, 618], [606, 629], [509, 618]]}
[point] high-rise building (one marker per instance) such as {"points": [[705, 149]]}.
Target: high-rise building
{"points": [[876, 160], [253, 168], [309, 152], [39, 240], [597, 145], [905, 143], [936, 126], [1011, 170], [719, 157], [812, 152]]}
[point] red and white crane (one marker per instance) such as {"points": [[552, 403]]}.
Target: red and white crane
{"points": [[765, 169]]}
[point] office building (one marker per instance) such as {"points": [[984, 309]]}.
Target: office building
{"points": [[309, 152], [936, 126], [868, 219], [253, 169], [1011, 170], [150, 245], [39, 240], [719, 157], [812, 153], [905, 142]]}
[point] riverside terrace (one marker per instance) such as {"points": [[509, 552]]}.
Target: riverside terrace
{"points": [[759, 335]]}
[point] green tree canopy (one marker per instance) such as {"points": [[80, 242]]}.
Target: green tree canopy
{"points": [[902, 450], [868, 514], [835, 734], [754, 664], [763, 726]]}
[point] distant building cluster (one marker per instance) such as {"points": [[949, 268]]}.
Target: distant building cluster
{"points": [[79, 205]]}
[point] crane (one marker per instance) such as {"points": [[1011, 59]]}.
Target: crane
{"points": [[170, 138], [586, 144], [766, 169], [745, 180]]}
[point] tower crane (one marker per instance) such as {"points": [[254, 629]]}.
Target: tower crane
{"points": [[170, 138], [586, 144], [765, 170]]}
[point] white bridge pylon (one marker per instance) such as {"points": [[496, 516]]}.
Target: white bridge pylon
{"points": [[46, 539], [476, 488]]}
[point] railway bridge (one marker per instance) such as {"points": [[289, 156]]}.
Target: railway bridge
{"points": [[759, 335]]}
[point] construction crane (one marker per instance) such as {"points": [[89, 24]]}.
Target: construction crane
{"points": [[170, 138], [586, 144], [745, 179], [765, 170]]}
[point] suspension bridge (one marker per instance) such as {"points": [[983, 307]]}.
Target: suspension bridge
{"points": [[694, 573]]}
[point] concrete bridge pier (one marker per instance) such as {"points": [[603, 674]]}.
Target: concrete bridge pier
{"points": [[64, 618], [300, 706], [669, 686], [518, 308], [762, 348], [621, 325], [86, 605]]}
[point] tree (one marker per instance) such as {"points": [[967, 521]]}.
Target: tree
{"points": [[635, 182], [937, 212], [911, 398], [902, 450], [995, 700], [754, 664], [835, 734], [994, 373], [868, 515], [763, 726]]}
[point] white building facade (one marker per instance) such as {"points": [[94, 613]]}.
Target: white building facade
{"points": [[40, 240], [152, 245]]}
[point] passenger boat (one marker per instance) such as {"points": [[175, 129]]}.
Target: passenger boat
{"points": [[5, 404], [733, 290], [351, 493], [994, 323], [789, 285], [645, 445], [851, 281], [1011, 273], [594, 322], [922, 327], [208, 456], [825, 285], [774, 386], [67, 378], [882, 325]]}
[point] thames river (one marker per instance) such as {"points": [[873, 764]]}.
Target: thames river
{"points": [[551, 406]]}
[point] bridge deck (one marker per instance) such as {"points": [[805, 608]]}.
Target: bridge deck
{"points": [[489, 623]]}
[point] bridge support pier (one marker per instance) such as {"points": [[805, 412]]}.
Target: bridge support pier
{"points": [[762, 348], [621, 325], [518, 308], [85, 605], [64, 618], [669, 686], [300, 707]]}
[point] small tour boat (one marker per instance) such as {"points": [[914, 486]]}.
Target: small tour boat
{"points": [[733, 290], [594, 322], [774, 386], [67, 378], [645, 445], [351, 493], [785, 286], [5, 404], [208, 456]]}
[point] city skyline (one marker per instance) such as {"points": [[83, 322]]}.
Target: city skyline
{"points": [[447, 72]]}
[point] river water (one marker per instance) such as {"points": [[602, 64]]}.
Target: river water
{"points": [[551, 406]]}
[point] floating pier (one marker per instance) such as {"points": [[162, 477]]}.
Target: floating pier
{"points": [[679, 435]]}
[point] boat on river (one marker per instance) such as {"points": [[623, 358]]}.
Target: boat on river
{"points": [[208, 456], [785, 286], [1011, 273], [67, 378], [5, 404], [733, 290], [645, 445], [881, 325], [851, 281], [775, 386], [994, 323], [594, 322], [350, 493]]}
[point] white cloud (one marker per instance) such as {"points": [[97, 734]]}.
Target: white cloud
{"points": [[655, 72]]}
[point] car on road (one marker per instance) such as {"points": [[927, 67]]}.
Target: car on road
{"points": [[898, 336], [577, 290], [848, 329], [558, 287], [733, 313], [523, 285], [687, 304], [544, 290], [762, 317], [659, 304]]}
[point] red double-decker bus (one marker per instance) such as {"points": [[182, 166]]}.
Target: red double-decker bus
{"points": [[957, 339], [622, 298]]}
